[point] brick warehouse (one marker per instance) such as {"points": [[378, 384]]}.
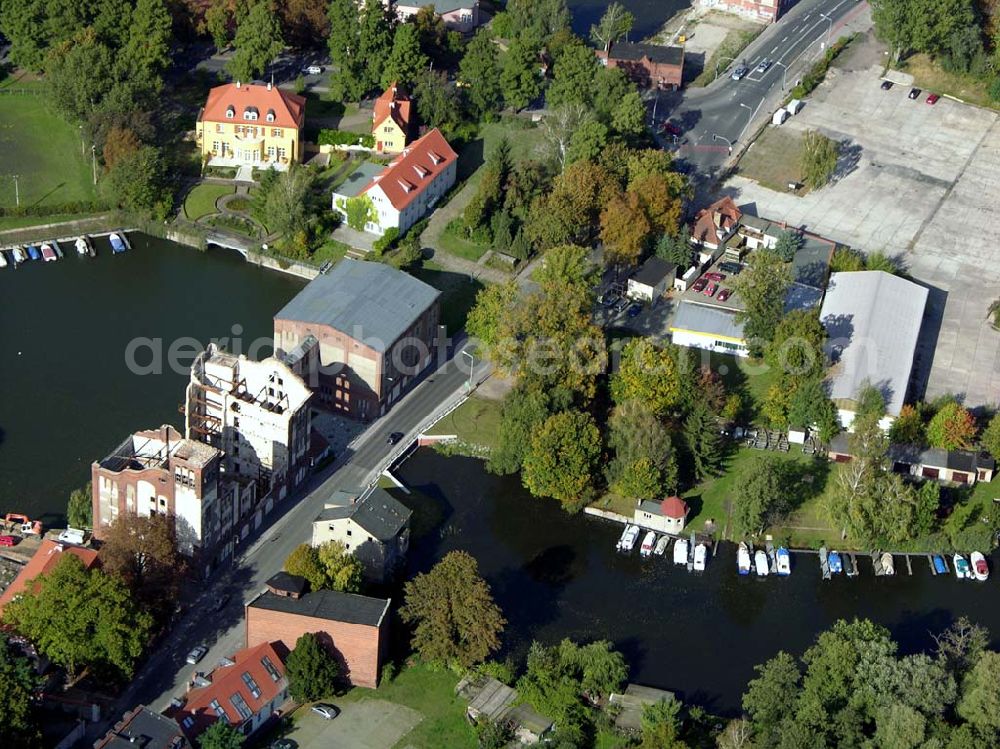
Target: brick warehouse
{"points": [[355, 628]]}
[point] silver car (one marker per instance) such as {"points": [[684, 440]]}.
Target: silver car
{"points": [[741, 71], [196, 654], [328, 712]]}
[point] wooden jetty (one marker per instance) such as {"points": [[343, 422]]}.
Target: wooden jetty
{"points": [[909, 567], [824, 563], [930, 563]]}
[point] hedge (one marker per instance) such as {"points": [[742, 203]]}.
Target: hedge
{"points": [[342, 138], [73, 207]]}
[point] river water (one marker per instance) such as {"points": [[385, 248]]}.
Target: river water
{"points": [[66, 394], [556, 575], [650, 15]]}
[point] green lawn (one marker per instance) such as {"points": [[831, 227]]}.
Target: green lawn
{"points": [[477, 421], [457, 297], [451, 241], [331, 250], [930, 76], [431, 692], [775, 159], [201, 200], [42, 149], [20, 222]]}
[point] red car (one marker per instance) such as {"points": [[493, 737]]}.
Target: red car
{"points": [[711, 289], [715, 276], [669, 127], [8, 540], [932, 98], [699, 285], [724, 294]]}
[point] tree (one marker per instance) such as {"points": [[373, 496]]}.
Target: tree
{"points": [[762, 286], [258, 41], [701, 435], [142, 551], [562, 458], [676, 249], [819, 158], [18, 684], [80, 508], [952, 428], [342, 570], [304, 21], [405, 61], [282, 202], [572, 76], [523, 410], [311, 670], [846, 260], [375, 40], [761, 495], [486, 319], [221, 735], [146, 52], [351, 79], [567, 265], [655, 375], [304, 562], [79, 74], [611, 87], [796, 345], [519, 75], [644, 463], [881, 261], [899, 727], [980, 702], [454, 616], [789, 242], [661, 724], [81, 619], [480, 71], [138, 182], [120, 143], [768, 697], [587, 141], [960, 646], [660, 202], [893, 24], [614, 24], [625, 230], [599, 668], [810, 405], [908, 428], [437, 101], [629, 115]]}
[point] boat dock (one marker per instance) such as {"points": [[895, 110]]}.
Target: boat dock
{"points": [[9, 252]]}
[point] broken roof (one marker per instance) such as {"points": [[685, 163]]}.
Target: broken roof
{"points": [[657, 53]]}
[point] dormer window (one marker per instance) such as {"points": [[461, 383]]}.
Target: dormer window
{"points": [[421, 172], [270, 115], [250, 113], [407, 187], [436, 158], [230, 113]]}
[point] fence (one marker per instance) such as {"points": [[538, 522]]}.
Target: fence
{"points": [[23, 91]]}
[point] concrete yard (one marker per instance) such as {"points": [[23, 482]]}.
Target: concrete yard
{"points": [[368, 724], [917, 182]]}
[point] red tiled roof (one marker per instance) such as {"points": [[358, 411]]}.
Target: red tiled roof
{"points": [[399, 113], [228, 681], [728, 215], [674, 507], [289, 109], [48, 555], [414, 169]]}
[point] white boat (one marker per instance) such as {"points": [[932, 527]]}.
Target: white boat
{"points": [[784, 562], [19, 256], [621, 539], [661, 545], [962, 570], [743, 559], [681, 551], [3, 260], [648, 542], [81, 245], [700, 555], [48, 254], [117, 243], [888, 565], [760, 563], [980, 569], [627, 542]]}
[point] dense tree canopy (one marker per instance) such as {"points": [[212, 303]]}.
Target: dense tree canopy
{"points": [[258, 41], [311, 670], [562, 458], [762, 286], [142, 551]]}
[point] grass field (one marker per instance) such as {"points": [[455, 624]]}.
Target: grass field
{"points": [[432, 693], [42, 149], [929, 76], [452, 241], [458, 294], [735, 42], [774, 160], [201, 200], [477, 421]]}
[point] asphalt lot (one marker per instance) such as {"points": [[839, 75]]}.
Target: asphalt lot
{"points": [[917, 182], [369, 724]]}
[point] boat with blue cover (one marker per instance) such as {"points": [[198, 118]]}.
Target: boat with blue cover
{"points": [[836, 566]]}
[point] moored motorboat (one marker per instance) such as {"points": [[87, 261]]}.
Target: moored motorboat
{"points": [[117, 243], [624, 535], [681, 551], [962, 570], [743, 559], [980, 569], [939, 565], [48, 254], [3, 260], [629, 539], [648, 542], [888, 565], [760, 563], [836, 565], [18, 255], [784, 562], [33, 252], [81, 246], [661, 545], [700, 556]]}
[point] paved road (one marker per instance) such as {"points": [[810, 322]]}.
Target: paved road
{"points": [[719, 114], [165, 674]]}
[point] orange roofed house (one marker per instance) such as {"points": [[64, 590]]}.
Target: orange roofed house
{"points": [[404, 191], [715, 224], [392, 120], [46, 558], [251, 124]]}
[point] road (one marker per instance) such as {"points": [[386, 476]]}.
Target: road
{"points": [[719, 115], [165, 674]]}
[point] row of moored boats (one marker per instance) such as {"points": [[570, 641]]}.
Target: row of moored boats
{"points": [[973, 568], [49, 252], [763, 562], [688, 553]]}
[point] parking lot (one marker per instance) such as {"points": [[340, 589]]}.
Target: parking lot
{"points": [[918, 182], [367, 724]]}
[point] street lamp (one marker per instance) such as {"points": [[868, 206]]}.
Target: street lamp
{"points": [[748, 108], [829, 29], [784, 70], [472, 366], [716, 136], [731, 59], [83, 151], [93, 157], [17, 193]]}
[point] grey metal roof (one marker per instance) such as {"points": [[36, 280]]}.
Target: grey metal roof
{"points": [[359, 179], [701, 318], [802, 296], [444, 6], [653, 271], [370, 302], [812, 261], [146, 729], [655, 52], [328, 604], [872, 320], [380, 514]]}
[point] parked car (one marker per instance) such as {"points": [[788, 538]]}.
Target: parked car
{"points": [[740, 72], [711, 289], [196, 654], [328, 712], [724, 294], [932, 98], [914, 93], [314, 69], [620, 307], [8, 540], [669, 127], [283, 744], [634, 310], [731, 268], [886, 85], [764, 65], [700, 284], [394, 438], [715, 276]]}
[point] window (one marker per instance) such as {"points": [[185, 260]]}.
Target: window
{"points": [[251, 685], [250, 113], [187, 722], [387, 129], [275, 132], [218, 127], [214, 704], [241, 706], [269, 667], [270, 152], [348, 533], [281, 153], [216, 147], [230, 113]]}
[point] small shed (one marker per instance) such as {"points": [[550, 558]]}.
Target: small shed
{"points": [[491, 699], [684, 282], [632, 702], [666, 516], [652, 280]]}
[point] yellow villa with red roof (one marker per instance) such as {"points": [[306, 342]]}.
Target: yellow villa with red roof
{"points": [[251, 124]]}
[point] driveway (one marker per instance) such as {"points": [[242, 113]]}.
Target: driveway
{"points": [[369, 724]]}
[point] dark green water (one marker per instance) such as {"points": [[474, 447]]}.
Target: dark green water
{"points": [[67, 396], [650, 15]]}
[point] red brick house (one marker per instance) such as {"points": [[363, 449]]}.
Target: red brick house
{"points": [[354, 628], [49, 554], [648, 65], [245, 690]]}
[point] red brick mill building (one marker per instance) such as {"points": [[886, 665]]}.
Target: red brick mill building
{"points": [[648, 65]]}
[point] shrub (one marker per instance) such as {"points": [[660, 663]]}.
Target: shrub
{"points": [[817, 72], [387, 241], [329, 137]]}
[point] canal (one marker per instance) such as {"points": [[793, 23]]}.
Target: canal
{"points": [[556, 575], [650, 15], [67, 396]]}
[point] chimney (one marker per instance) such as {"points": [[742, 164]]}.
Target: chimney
{"points": [[269, 85], [237, 84]]}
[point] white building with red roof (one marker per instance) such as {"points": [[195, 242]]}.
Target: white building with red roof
{"points": [[404, 191], [251, 124], [666, 516]]}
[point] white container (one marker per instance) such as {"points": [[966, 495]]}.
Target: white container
{"points": [[779, 117]]}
